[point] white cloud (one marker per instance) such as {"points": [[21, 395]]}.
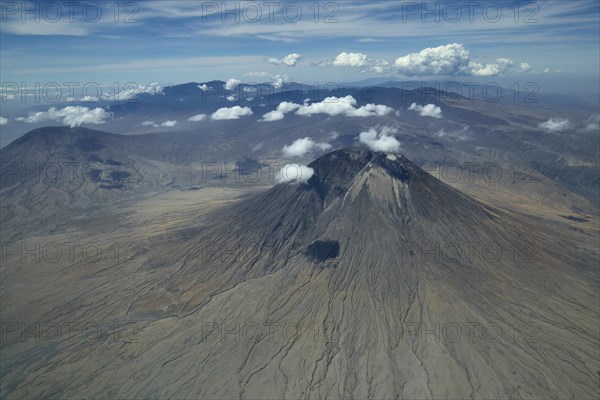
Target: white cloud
{"points": [[593, 123], [304, 146], [197, 118], [231, 84], [89, 99], [150, 123], [458, 135], [3, 121], [277, 38], [231, 98], [343, 105], [205, 88], [350, 60], [429, 110], [257, 74], [282, 109], [290, 60], [71, 115], [450, 59], [362, 19], [294, 173], [555, 125], [331, 106], [279, 80], [370, 110], [524, 67], [380, 66], [367, 40], [164, 124], [228, 113], [501, 66], [45, 26], [287, 106], [383, 140], [151, 88], [168, 124]]}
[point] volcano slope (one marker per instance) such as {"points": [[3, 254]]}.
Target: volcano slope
{"points": [[371, 280]]}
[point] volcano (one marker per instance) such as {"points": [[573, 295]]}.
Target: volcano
{"points": [[362, 213], [371, 280]]}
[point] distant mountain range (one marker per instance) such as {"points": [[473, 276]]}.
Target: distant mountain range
{"points": [[158, 159]]}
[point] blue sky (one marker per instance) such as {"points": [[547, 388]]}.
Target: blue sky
{"points": [[181, 41]]}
